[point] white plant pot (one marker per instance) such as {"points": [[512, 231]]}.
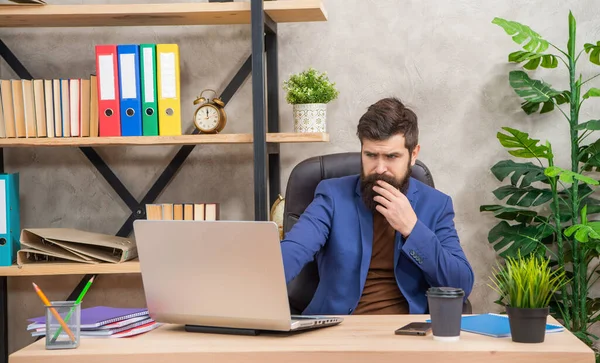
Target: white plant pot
{"points": [[310, 117]]}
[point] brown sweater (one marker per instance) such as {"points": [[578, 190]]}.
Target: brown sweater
{"points": [[381, 294]]}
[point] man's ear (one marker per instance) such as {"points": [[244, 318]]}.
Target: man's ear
{"points": [[415, 154]]}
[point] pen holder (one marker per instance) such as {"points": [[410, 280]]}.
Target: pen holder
{"points": [[63, 325]]}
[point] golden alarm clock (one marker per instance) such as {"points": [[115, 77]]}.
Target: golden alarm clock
{"points": [[210, 117]]}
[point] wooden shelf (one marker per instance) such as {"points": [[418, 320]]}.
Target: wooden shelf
{"points": [[162, 140], [70, 268], [281, 11]]}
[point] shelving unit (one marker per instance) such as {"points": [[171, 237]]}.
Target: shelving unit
{"points": [[287, 11], [163, 140], [263, 18], [70, 268]]}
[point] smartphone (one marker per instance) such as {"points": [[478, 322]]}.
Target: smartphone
{"points": [[415, 328]]}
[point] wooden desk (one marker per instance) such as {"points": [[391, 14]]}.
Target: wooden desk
{"points": [[361, 339]]}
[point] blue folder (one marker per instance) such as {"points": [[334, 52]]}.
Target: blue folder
{"points": [[10, 221], [495, 325], [129, 89]]}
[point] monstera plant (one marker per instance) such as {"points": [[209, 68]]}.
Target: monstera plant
{"points": [[548, 209]]}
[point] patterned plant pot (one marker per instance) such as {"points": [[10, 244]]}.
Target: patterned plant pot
{"points": [[310, 117]]}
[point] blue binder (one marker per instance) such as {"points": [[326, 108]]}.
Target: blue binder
{"points": [[129, 89], [10, 218]]}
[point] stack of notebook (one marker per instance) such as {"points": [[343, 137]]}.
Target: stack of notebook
{"points": [[105, 322]]}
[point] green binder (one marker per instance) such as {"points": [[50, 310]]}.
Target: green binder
{"points": [[148, 89]]}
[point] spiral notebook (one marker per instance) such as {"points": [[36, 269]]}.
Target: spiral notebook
{"points": [[495, 325], [98, 316]]}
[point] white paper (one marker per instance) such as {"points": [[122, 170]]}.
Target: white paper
{"points": [[148, 75], [107, 77], [127, 68], [167, 75]]}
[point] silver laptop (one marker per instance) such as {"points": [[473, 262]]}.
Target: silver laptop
{"points": [[217, 276]]}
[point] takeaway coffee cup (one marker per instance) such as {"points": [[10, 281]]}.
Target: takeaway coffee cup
{"points": [[445, 308]]}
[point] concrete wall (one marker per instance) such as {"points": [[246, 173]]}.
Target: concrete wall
{"points": [[444, 59]]}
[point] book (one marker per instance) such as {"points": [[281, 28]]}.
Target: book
{"points": [[184, 211], [495, 325]]}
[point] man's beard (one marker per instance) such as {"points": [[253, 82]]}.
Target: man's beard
{"points": [[367, 182]]}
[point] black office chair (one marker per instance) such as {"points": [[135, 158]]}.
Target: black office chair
{"points": [[300, 190]]}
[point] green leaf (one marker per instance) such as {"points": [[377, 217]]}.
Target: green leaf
{"points": [[523, 197], [547, 106], [592, 92], [583, 232], [571, 44], [531, 90], [591, 125], [567, 176], [525, 146], [533, 59], [585, 200], [528, 281], [592, 205], [510, 213], [590, 155], [508, 239], [593, 51], [526, 172], [522, 34]]}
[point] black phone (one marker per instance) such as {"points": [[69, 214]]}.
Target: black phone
{"points": [[415, 328]]}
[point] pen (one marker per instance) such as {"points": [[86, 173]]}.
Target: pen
{"points": [[54, 312], [78, 301]]}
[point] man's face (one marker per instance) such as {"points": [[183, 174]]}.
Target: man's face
{"points": [[388, 160]]}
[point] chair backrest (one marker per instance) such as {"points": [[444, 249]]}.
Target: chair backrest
{"points": [[300, 190]]}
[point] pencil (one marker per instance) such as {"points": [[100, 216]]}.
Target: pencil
{"points": [[54, 312], [78, 301]]}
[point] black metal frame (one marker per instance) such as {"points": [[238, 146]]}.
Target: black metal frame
{"points": [[266, 160]]}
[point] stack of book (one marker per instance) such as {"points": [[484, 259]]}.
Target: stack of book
{"points": [[183, 211], [49, 107], [105, 322]]}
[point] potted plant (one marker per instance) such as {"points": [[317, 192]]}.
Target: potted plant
{"points": [[526, 285], [548, 197], [309, 92]]}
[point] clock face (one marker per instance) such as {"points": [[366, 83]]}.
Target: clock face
{"points": [[207, 118]]}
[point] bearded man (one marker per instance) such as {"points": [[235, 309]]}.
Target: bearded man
{"points": [[381, 238]]}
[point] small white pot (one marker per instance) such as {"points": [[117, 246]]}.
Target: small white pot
{"points": [[310, 117]]}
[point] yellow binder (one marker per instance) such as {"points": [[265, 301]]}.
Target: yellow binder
{"points": [[167, 82]]}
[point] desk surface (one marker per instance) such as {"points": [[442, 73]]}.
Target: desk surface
{"points": [[358, 339]]}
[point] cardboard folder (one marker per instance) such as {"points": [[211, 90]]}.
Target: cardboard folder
{"points": [[66, 244]]}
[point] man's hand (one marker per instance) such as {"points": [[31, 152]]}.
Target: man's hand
{"points": [[395, 207]]}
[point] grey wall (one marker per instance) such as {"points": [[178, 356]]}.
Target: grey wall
{"points": [[444, 59]]}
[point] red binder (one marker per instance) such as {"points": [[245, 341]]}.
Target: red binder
{"points": [[107, 71]]}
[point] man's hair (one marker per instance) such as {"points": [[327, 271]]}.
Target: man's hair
{"points": [[386, 118]]}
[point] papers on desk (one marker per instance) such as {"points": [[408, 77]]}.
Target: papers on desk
{"points": [[105, 322]]}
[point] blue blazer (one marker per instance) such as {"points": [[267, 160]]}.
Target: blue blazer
{"points": [[337, 227]]}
